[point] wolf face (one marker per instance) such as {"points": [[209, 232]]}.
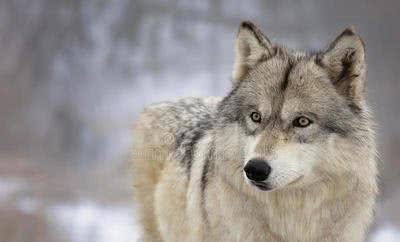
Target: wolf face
{"points": [[292, 119]]}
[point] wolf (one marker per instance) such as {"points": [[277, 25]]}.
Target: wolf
{"points": [[288, 155]]}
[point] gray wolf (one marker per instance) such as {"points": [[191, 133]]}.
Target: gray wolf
{"points": [[288, 155]]}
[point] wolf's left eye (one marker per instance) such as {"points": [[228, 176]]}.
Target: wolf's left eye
{"points": [[255, 117], [301, 122]]}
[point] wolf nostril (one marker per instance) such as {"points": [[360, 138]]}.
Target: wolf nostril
{"points": [[257, 170]]}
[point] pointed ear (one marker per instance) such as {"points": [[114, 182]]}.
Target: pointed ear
{"points": [[345, 62], [251, 47]]}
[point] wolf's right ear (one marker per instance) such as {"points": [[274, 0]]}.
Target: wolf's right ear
{"points": [[251, 47]]}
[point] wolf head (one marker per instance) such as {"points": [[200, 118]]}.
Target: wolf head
{"points": [[293, 119]]}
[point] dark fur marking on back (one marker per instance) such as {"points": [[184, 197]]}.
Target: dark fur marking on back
{"points": [[199, 120], [204, 180], [204, 173], [189, 146]]}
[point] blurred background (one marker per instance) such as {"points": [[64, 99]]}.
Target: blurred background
{"points": [[75, 74]]}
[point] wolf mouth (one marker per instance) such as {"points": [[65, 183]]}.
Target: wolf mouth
{"points": [[261, 185], [296, 180]]}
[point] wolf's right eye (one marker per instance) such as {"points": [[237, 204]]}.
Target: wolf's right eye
{"points": [[255, 117]]}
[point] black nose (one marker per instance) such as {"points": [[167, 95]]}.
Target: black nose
{"points": [[257, 170]]}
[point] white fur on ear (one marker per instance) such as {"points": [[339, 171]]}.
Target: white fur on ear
{"points": [[345, 63], [251, 46]]}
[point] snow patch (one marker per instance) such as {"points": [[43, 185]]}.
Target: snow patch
{"points": [[88, 221], [386, 233], [9, 187]]}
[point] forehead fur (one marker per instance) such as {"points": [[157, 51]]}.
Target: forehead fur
{"points": [[287, 84], [291, 79]]}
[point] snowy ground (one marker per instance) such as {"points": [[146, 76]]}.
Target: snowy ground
{"points": [[94, 221], [88, 221]]}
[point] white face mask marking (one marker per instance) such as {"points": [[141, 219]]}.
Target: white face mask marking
{"points": [[289, 162], [250, 152]]}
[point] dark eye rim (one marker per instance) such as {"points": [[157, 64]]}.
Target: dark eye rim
{"points": [[297, 122], [255, 119]]}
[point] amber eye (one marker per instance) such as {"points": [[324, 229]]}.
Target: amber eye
{"points": [[301, 122], [255, 117]]}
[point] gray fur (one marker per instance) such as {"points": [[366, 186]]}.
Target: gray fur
{"points": [[323, 175]]}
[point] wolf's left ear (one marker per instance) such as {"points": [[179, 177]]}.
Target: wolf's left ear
{"points": [[251, 47], [345, 62]]}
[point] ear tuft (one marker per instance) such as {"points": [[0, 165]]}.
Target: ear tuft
{"points": [[251, 47], [344, 62], [351, 30], [257, 33]]}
